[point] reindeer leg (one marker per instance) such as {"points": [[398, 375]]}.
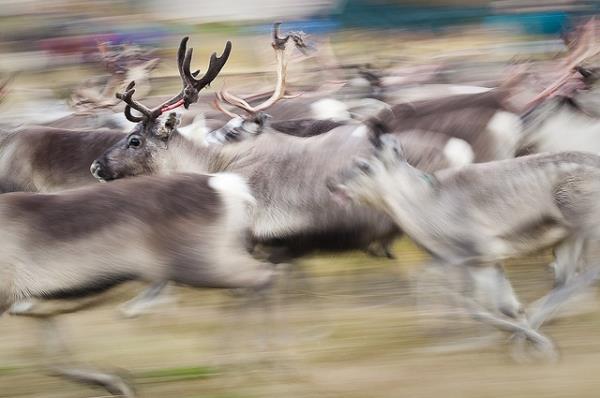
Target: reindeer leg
{"points": [[503, 299], [569, 256], [544, 308], [441, 316], [382, 247], [55, 348], [146, 299], [480, 313]]}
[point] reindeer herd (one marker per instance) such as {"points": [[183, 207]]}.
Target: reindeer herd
{"points": [[473, 179]]}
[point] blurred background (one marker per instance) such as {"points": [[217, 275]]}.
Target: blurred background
{"points": [[356, 333]]}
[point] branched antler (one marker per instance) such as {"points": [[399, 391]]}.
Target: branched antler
{"points": [[122, 62], [278, 45], [191, 85]]}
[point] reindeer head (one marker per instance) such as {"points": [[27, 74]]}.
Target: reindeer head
{"points": [[138, 153], [371, 180], [577, 76], [254, 120]]}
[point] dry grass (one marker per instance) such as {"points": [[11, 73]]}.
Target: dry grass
{"points": [[358, 335]]}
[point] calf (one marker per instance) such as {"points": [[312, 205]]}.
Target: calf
{"points": [[481, 214]]}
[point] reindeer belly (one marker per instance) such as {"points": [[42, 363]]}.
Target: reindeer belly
{"points": [[528, 237]]}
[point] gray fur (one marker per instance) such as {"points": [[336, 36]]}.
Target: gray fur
{"points": [[482, 214], [79, 242], [287, 175], [45, 159]]}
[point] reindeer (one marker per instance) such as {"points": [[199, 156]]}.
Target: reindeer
{"points": [[485, 120], [45, 159], [294, 211], [123, 64], [185, 228], [254, 122], [476, 216], [93, 100]]}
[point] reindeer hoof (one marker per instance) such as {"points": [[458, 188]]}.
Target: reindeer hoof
{"points": [[118, 386], [21, 307], [524, 351], [135, 308]]}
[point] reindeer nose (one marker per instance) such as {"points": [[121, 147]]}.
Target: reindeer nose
{"points": [[97, 170]]}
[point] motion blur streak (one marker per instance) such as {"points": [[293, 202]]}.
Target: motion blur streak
{"points": [[316, 138]]}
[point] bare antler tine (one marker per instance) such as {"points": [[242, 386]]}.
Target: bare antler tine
{"points": [[191, 85], [278, 45]]}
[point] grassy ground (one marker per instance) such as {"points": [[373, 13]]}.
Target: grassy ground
{"points": [[357, 335]]}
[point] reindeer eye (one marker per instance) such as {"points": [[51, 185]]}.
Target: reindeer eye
{"points": [[363, 166], [134, 142]]}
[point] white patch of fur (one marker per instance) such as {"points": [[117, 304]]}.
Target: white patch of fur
{"points": [[359, 82], [360, 131], [507, 128], [566, 130], [429, 91], [329, 108], [195, 131], [21, 307], [232, 184], [235, 265], [468, 89], [458, 152]]}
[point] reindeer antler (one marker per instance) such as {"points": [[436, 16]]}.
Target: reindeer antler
{"points": [[120, 61], [191, 85], [278, 45]]}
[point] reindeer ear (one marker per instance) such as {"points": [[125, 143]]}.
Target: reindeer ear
{"points": [[169, 126], [261, 119]]}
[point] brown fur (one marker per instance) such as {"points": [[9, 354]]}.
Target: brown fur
{"points": [[462, 116], [79, 213], [47, 159]]}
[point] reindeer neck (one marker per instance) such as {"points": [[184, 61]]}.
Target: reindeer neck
{"points": [[184, 155], [408, 200]]}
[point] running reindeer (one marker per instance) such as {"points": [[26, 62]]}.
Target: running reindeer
{"points": [[164, 234], [476, 216], [45, 159], [295, 213], [187, 228], [124, 63]]}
